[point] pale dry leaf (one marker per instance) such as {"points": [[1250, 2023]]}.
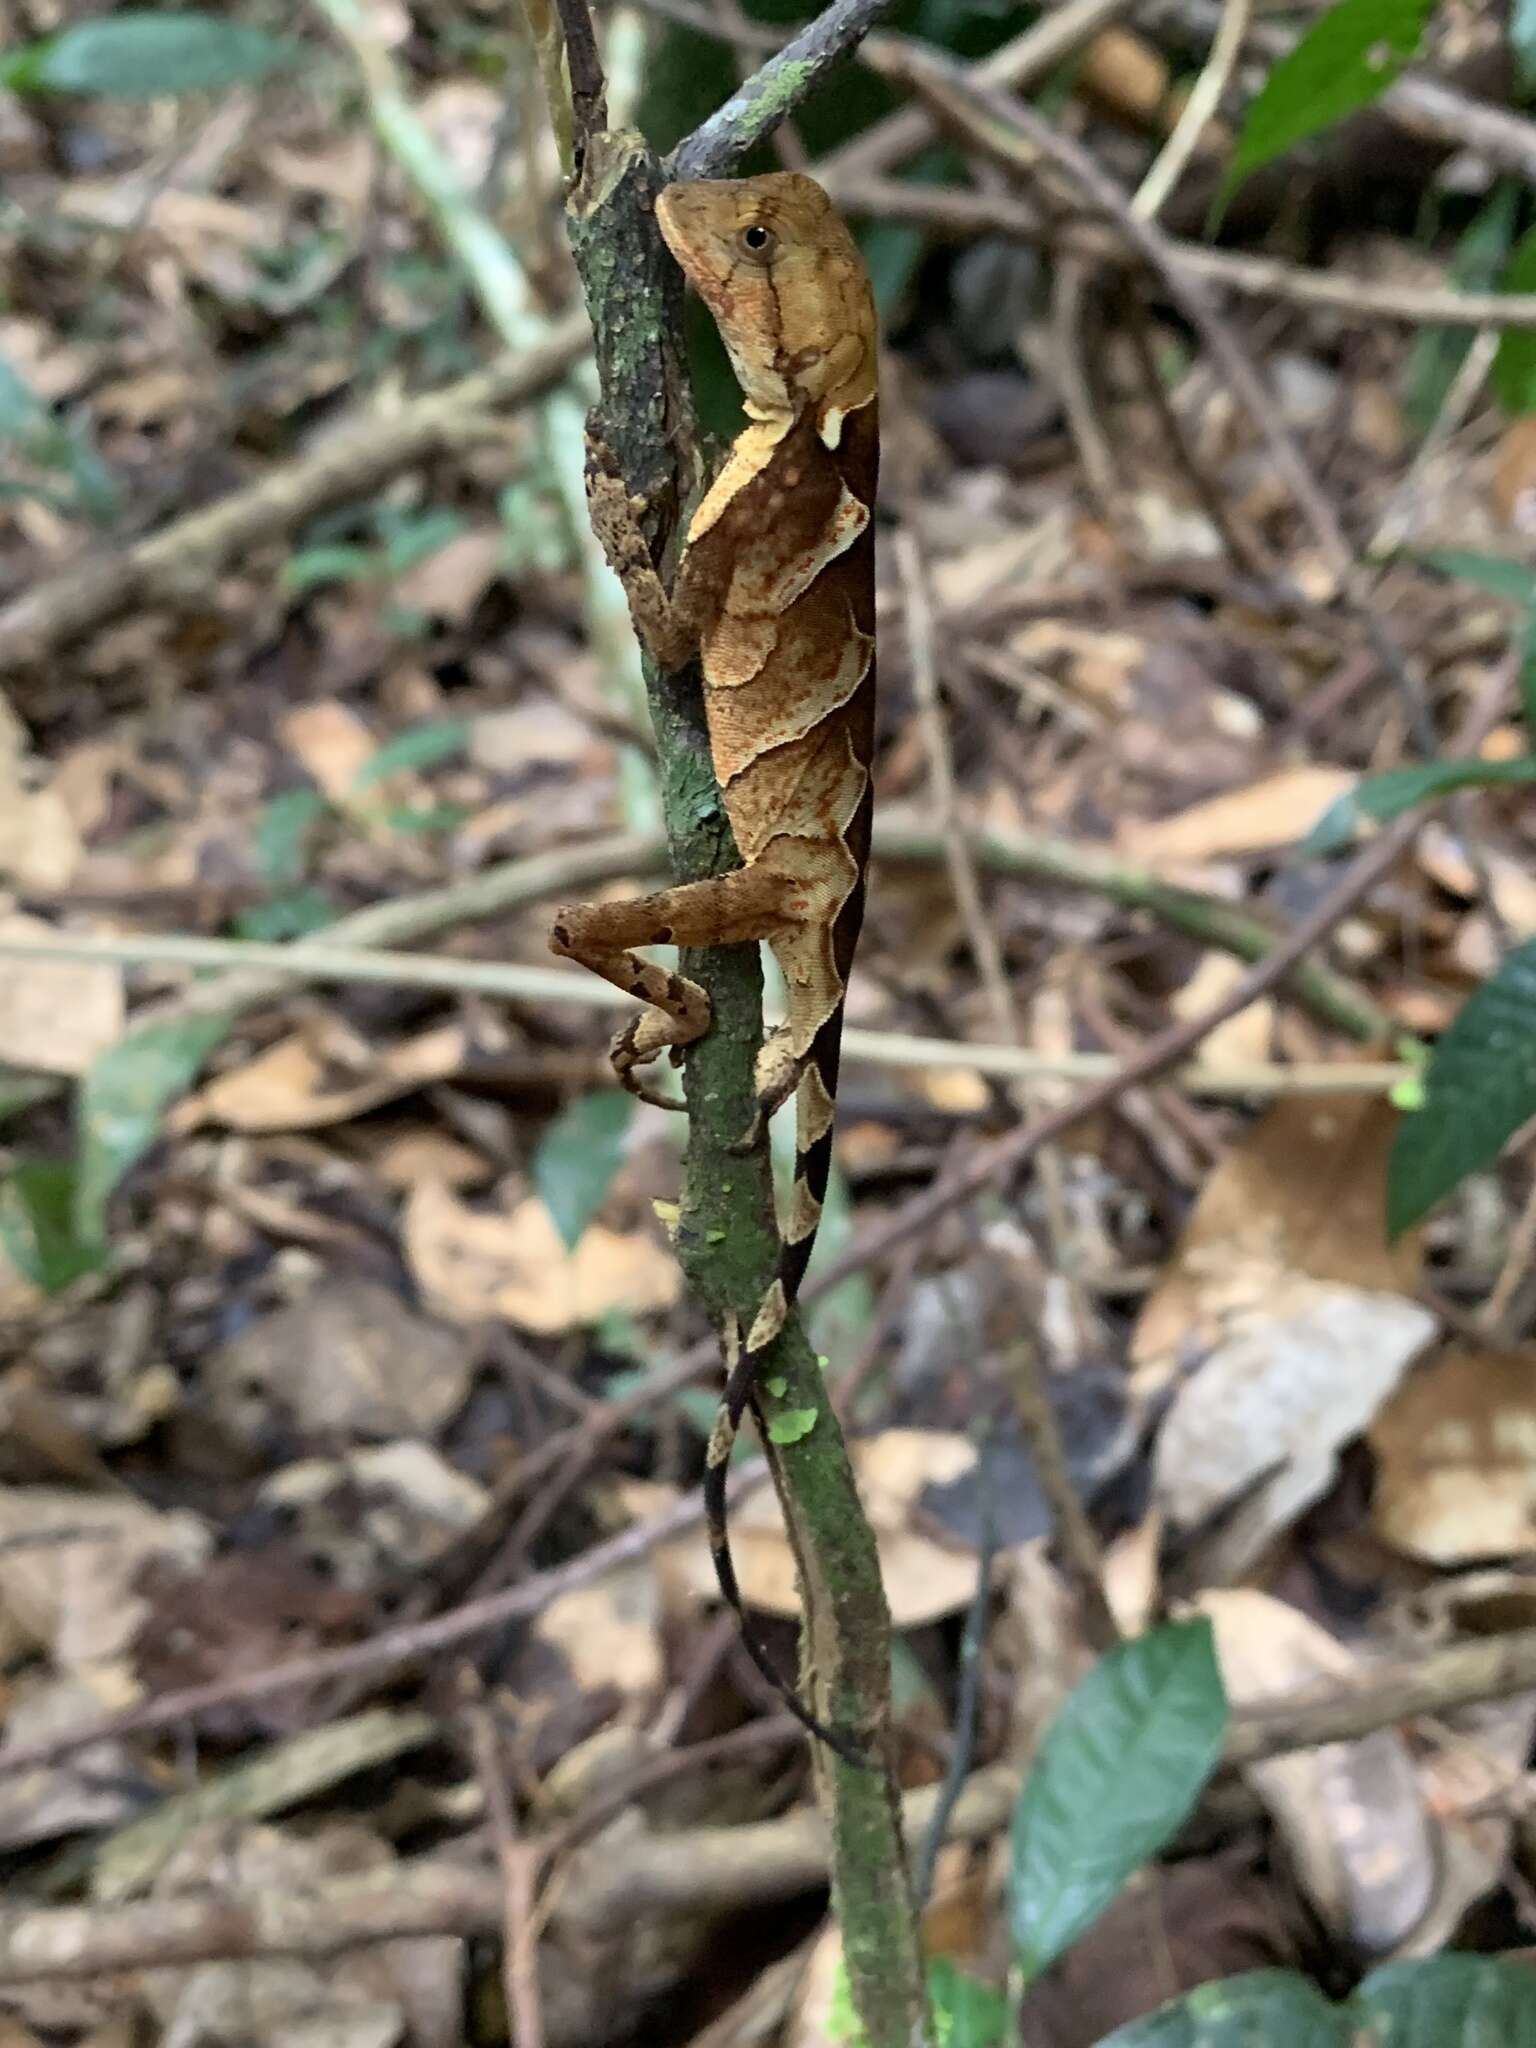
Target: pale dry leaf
{"points": [[1258, 1427], [403, 1158], [609, 1633], [350, 1359], [378, 1511], [1099, 665], [293, 1087], [1242, 1040], [354, 2000], [464, 115], [1353, 1818], [473, 1266], [331, 743], [68, 1563], [56, 1016], [924, 1579], [96, 1789], [1302, 1193], [1456, 1456], [450, 582], [40, 845], [535, 732], [1277, 811]]}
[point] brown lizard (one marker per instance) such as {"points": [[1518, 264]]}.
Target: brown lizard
{"points": [[774, 592]]}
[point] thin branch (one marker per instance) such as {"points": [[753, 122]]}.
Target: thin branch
{"points": [[518, 983], [589, 100], [752, 113], [1156, 188], [181, 562], [949, 209], [1162, 1053], [694, 1870]]}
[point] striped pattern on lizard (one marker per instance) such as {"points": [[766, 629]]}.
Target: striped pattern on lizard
{"points": [[774, 592]]}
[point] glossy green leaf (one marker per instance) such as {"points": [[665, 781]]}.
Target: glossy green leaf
{"points": [[1514, 367], [1117, 1775], [38, 1228], [1345, 61], [1479, 1089], [1265, 2009], [578, 1156], [1382, 797], [423, 746], [1447, 2002], [146, 55], [122, 1098]]}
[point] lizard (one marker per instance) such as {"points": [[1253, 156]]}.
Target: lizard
{"points": [[774, 593]]}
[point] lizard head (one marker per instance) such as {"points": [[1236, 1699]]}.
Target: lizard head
{"points": [[782, 276]]}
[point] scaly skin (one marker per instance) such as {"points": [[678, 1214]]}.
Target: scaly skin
{"points": [[775, 594]]}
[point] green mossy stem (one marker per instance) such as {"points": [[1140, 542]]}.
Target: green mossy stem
{"points": [[727, 1237]]}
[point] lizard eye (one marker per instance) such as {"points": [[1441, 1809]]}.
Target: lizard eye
{"points": [[758, 242]]}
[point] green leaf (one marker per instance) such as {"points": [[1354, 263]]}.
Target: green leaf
{"points": [[578, 1156], [1346, 60], [423, 746], [286, 917], [1505, 578], [1514, 367], [1479, 1089], [1448, 2002], [1500, 574], [38, 1229], [1522, 37], [965, 2014], [141, 56], [1383, 797], [335, 562], [1438, 353], [791, 1424], [118, 1110], [19, 1091], [1272, 2007], [409, 537], [1118, 1773], [282, 834]]}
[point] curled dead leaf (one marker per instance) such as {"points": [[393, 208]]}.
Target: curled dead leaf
{"points": [[473, 1265]]}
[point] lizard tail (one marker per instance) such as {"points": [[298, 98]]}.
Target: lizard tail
{"points": [[814, 1094]]}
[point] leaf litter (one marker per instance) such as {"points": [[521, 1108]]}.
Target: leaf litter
{"points": [[320, 1305]]}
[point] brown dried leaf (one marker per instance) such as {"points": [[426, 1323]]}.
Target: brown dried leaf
{"points": [[1275, 812], [1303, 1193], [292, 1087], [924, 1579], [349, 1360], [1456, 1456], [1351, 1814], [332, 744], [472, 1265], [56, 1016]]}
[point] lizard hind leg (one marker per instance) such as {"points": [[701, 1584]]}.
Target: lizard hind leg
{"points": [[749, 903]]}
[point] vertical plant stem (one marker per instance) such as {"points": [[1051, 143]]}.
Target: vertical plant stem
{"points": [[727, 1238]]}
